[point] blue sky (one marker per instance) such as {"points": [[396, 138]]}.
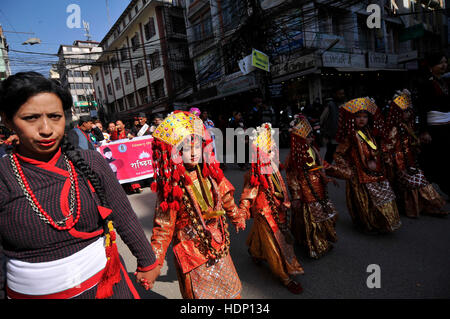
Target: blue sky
{"points": [[48, 20]]}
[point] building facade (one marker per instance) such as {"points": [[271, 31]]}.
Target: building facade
{"points": [[5, 69], [338, 44], [74, 64], [145, 64], [313, 46]]}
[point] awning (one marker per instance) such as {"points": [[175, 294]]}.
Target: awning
{"points": [[367, 70], [295, 75]]}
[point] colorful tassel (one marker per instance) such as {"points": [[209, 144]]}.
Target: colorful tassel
{"points": [[164, 206], [177, 192], [111, 274], [154, 187]]}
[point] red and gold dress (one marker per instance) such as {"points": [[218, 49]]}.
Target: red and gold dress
{"points": [[313, 214], [269, 239], [415, 194], [191, 215], [370, 198]]}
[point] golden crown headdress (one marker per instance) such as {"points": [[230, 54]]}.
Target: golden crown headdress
{"points": [[302, 128], [263, 137], [403, 101], [360, 104], [177, 126]]}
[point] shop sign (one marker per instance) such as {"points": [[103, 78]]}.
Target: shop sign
{"points": [[382, 60], [343, 60], [407, 56], [296, 65], [276, 90], [82, 104], [260, 60]]}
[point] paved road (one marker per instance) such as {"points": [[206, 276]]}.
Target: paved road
{"points": [[414, 261]]}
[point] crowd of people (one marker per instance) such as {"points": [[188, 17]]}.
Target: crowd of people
{"points": [[61, 204]]}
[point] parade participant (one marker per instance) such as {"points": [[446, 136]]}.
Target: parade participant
{"points": [[106, 135], [196, 111], [329, 121], [193, 200], [134, 128], [111, 128], [143, 127], [414, 192], [433, 107], [85, 135], [157, 119], [360, 160], [314, 216], [266, 200], [59, 206], [122, 133]]}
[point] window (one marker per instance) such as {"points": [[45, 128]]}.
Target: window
{"points": [[135, 42], [127, 75], [149, 28], [158, 89], [139, 69], [155, 61], [178, 25], [232, 13], [106, 69], [96, 76], [120, 105], [117, 83], [100, 95], [124, 53], [202, 28], [113, 62], [131, 101], [109, 88], [143, 95]]}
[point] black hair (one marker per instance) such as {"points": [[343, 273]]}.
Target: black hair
{"points": [[78, 161], [434, 58], [18, 88]]}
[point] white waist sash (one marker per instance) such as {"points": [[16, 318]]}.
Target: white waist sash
{"points": [[58, 275], [438, 118]]}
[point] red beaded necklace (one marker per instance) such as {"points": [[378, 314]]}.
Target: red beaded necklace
{"points": [[36, 206]]}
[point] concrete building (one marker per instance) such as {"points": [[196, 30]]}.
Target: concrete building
{"points": [[145, 64], [74, 64], [217, 42], [312, 46], [338, 44], [5, 69]]}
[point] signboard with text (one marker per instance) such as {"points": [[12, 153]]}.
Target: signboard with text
{"points": [[131, 160]]}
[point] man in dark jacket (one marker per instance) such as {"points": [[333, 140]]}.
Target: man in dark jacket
{"points": [[329, 121], [86, 135]]}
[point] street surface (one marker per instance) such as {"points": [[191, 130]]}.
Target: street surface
{"points": [[414, 261]]}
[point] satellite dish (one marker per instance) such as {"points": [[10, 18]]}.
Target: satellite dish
{"points": [[32, 41]]}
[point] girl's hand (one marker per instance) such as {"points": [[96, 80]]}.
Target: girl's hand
{"points": [[147, 279]]}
